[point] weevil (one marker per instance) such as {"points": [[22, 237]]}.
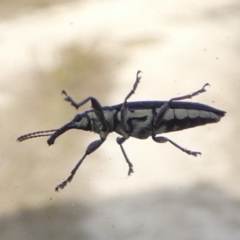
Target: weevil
{"points": [[133, 119]]}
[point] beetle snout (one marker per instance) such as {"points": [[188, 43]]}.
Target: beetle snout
{"points": [[50, 141], [59, 132]]}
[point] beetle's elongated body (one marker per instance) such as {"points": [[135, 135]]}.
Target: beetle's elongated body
{"points": [[181, 115], [141, 115], [134, 119]]}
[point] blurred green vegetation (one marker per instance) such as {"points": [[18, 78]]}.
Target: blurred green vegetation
{"points": [[10, 8], [79, 71], [32, 170]]}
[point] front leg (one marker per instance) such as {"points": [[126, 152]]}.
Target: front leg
{"points": [[102, 130], [90, 149], [97, 108]]}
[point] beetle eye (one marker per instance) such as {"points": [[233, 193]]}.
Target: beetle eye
{"points": [[78, 118]]}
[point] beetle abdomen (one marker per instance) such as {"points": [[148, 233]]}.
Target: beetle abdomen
{"points": [[178, 119]]}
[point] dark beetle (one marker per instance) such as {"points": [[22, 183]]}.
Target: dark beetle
{"points": [[134, 119]]}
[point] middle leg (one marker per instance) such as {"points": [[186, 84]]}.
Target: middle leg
{"points": [[120, 141], [124, 108], [125, 128]]}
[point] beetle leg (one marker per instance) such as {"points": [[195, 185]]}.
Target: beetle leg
{"points": [[97, 108], [77, 105], [161, 139], [120, 141], [74, 103], [124, 108], [134, 87], [125, 127], [90, 149], [202, 90], [165, 107]]}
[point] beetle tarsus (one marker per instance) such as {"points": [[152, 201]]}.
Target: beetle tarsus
{"points": [[205, 85], [195, 154], [130, 171], [69, 99], [61, 186]]}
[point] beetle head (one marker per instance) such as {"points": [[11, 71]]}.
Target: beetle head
{"points": [[80, 121]]}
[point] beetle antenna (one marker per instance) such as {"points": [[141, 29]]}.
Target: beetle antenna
{"points": [[36, 134]]}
